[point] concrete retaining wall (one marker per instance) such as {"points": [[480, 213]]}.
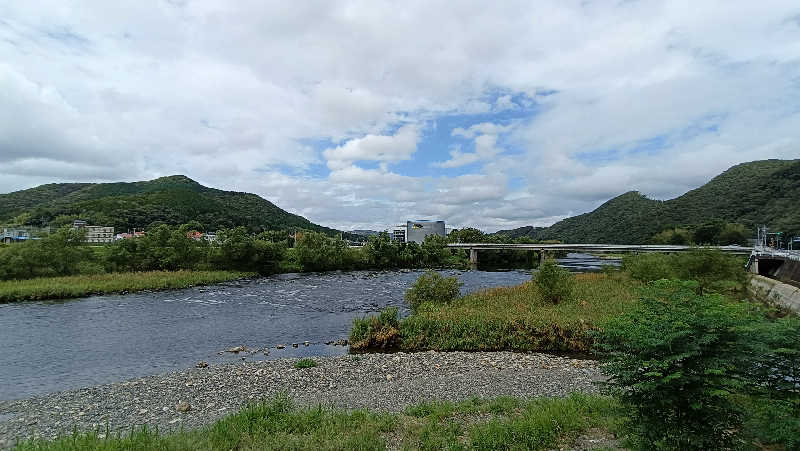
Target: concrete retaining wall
{"points": [[775, 291]]}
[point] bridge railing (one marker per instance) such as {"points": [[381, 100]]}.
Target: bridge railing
{"points": [[598, 247], [766, 251]]}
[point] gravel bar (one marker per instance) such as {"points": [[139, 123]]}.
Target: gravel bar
{"points": [[384, 382]]}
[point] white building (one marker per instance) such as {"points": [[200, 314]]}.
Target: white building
{"points": [[95, 234], [399, 233]]}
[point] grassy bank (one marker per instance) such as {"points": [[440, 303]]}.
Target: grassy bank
{"points": [[503, 423], [515, 318], [85, 285]]}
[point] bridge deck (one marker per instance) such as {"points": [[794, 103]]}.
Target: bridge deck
{"points": [[598, 247]]}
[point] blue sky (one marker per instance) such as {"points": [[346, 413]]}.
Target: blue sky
{"points": [[364, 114]]}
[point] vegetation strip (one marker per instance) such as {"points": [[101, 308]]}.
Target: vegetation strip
{"points": [[277, 424], [516, 318], [694, 366], [85, 285]]}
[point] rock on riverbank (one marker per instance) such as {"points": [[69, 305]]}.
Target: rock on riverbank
{"points": [[387, 382]]}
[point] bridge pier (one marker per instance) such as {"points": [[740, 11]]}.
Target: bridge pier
{"points": [[473, 258], [754, 266], [542, 257]]}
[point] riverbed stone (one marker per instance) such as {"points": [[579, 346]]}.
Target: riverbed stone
{"points": [[183, 406], [341, 381]]}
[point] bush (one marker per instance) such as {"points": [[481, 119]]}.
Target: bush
{"points": [[712, 269], [649, 267], [554, 282], [432, 287], [305, 363], [774, 405], [376, 332], [676, 361]]}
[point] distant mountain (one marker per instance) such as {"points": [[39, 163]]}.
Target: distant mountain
{"points": [[759, 192], [529, 231], [170, 200], [365, 232]]}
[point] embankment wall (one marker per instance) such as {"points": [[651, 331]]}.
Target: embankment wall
{"points": [[775, 291]]}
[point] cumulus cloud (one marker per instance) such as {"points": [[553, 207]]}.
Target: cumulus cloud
{"points": [[331, 109], [485, 143], [384, 148]]}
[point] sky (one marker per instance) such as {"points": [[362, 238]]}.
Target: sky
{"points": [[361, 115]]}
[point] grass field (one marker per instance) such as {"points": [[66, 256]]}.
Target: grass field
{"points": [[79, 286], [510, 318], [502, 423]]}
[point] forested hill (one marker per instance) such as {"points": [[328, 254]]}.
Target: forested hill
{"points": [[758, 192], [170, 200]]}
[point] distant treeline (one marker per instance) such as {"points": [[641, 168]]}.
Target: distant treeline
{"points": [[65, 253], [716, 233]]}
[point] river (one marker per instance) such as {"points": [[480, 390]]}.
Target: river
{"points": [[57, 345]]}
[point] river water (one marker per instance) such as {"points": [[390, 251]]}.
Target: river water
{"points": [[57, 345]]}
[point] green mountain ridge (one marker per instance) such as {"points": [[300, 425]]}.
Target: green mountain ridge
{"points": [[171, 200], [754, 193]]}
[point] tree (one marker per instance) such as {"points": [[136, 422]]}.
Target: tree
{"points": [[317, 252], [466, 235], [435, 253], [708, 233], [238, 249], [382, 251]]}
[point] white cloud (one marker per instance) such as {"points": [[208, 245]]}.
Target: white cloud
{"points": [[385, 148], [485, 137], [504, 103], [485, 128], [652, 96]]}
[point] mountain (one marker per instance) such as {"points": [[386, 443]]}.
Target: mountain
{"points": [[529, 231], [173, 200], [758, 192], [365, 232]]}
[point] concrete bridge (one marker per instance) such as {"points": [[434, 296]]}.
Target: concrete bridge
{"points": [[543, 249], [776, 263]]}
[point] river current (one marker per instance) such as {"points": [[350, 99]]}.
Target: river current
{"points": [[57, 345]]}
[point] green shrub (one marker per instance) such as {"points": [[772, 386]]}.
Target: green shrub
{"points": [[712, 269], [554, 282], [675, 361], [376, 332], [649, 267], [305, 363], [774, 403], [432, 287]]}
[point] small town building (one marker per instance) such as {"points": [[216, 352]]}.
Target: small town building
{"points": [[399, 233], [12, 235], [95, 234]]}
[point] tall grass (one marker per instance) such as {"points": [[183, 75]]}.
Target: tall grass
{"points": [[527, 317], [79, 286], [517, 318], [277, 424]]}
